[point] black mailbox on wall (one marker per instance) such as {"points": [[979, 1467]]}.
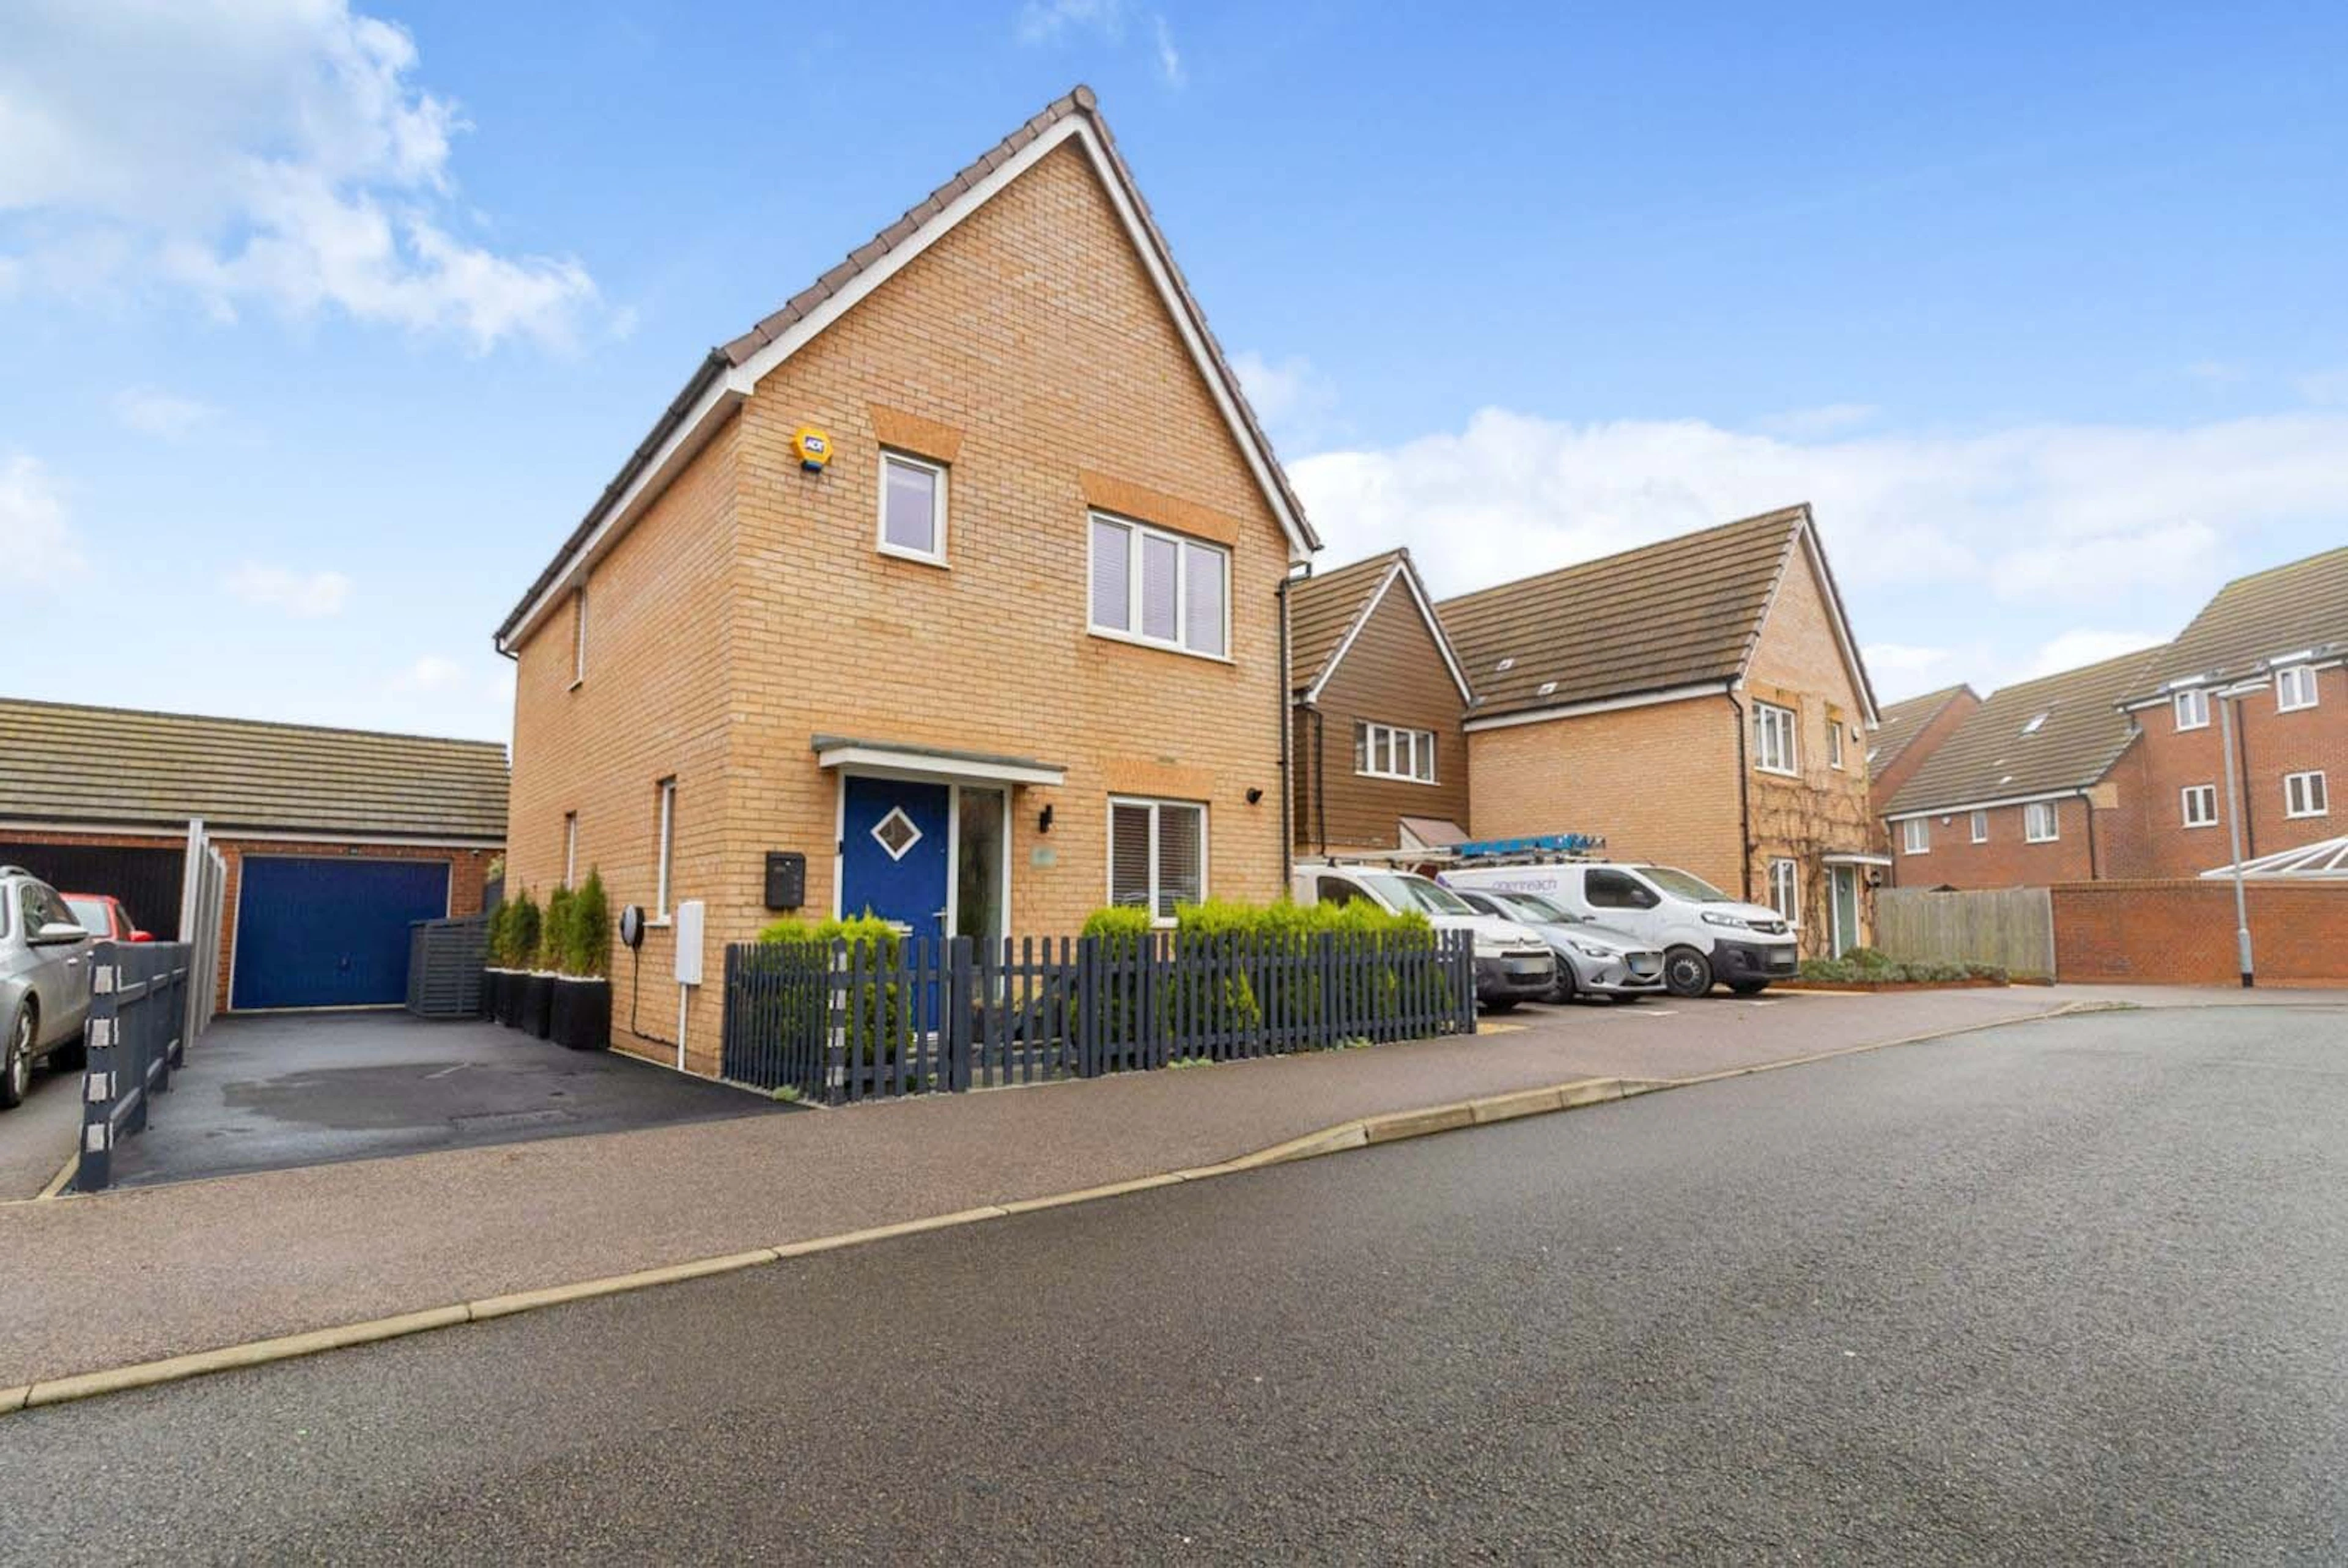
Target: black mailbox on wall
{"points": [[785, 879]]}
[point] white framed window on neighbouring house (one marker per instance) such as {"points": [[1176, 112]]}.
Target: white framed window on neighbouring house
{"points": [[2040, 825], [1774, 748], [1388, 751], [1834, 742], [663, 847], [2294, 688], [570, 849], [1981, 827], [1786, 890], [1156, 853], [578, 635], [1150, 586], [912, 508], [2193, 709], [2304, 795], [2199, 806], [1916, 835]]}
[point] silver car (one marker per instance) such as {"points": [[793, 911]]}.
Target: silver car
{"points": [[44, 958], [1592, 959]]}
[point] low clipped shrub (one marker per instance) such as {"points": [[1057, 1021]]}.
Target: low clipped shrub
{"points": [[871, 1028], [1865, 966]]}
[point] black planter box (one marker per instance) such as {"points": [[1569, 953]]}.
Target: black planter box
{"points": [[537, 1004], [506, 1007], [493, 993], [582, 1013]]}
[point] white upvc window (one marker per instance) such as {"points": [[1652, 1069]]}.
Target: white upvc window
{"points": [[1150, 586], [1786, 890], [578, 635], [1773, 747], [2193, 709], [1916, 835], [2199, 805], [1387, 752], [570, 849], [2039, 822], [1157, 855], [912, 508], [1834, 742], [664, 848], [2294, 688], [1981, 827], [2304, 795]]}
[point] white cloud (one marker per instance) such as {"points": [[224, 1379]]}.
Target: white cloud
{"points": [[1053, 21], [1292, 397], [432, 672], [1828, 419], [154, 412], [2074, 649], [279, 152], [1902, 660], [34, 539], [2325, 387], [1169, 59], [307, 595]]}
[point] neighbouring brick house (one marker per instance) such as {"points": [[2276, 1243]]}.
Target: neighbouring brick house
{"points": [[1699, 702], [1015, 653], [333, 840], [1379, 756], [1910, 733], [2022, 792], [2278, 641]]}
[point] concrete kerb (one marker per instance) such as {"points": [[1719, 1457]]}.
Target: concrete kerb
{"points": [[1390, 1127]]}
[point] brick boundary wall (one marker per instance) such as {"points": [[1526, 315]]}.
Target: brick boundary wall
{"points": [[2182, 933]]}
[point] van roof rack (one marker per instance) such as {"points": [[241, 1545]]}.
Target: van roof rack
{"points": [[1537, 849]]}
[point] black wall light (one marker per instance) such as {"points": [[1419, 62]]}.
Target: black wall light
{"points": [[1044, 820], [1254, 795]]}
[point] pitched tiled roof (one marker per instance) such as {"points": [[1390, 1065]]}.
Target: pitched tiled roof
{"points": [[1996, 755], [2281, 611], [1683, 611], [1902, 722], [737, 353], [65, 763], [1323, 607]]}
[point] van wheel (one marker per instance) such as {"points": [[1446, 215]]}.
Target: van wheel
{"points": [[16, 1061], [1686, 972]]}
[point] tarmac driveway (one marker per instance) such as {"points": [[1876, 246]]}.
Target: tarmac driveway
{"points": [[269, 1093]]}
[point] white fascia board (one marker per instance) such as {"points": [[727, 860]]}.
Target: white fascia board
{"points": [[1835, 616], [1604, 705], [920, 764], [1435, 629], [692, 434], [1963, 806]]}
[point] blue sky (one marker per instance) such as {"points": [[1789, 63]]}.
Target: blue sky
{"points": [[326, 325]]}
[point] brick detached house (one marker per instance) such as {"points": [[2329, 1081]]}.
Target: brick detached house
{"points": [[333, 840], [1378, 754], [1699, 702], [2273, 647], [1910, 733], [961, 576], [2021, 793]]}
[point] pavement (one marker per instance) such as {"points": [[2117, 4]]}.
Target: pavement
{"points": [[2072, 1292], [38, 1137], [133, 1276]]}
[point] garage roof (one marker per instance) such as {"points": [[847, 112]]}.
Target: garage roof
{"points": [[67, 765]]}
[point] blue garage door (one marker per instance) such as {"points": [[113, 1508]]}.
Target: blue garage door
{"points": [[330, 933]]}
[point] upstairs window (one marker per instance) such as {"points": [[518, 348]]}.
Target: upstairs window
{"points": [[1384, 752], [1981, 827], [912, 508], [1774, 751], [1834, 742], [1157, 855], [1150, 586], [570, 849], [2040, 825], [2294, 688], [2201, 805], [578, 635], [2193, 709], [1916, 835], [663, 847], [2304, 794]]}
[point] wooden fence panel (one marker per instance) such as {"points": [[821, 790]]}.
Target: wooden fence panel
{"points": [[2012, 928]]}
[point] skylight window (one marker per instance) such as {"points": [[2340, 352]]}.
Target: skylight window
{"points": [[1504, 666], [2032, 728], [1545, 687]]}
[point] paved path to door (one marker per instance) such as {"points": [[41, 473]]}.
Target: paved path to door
{"points": [[270, 1094], [125, 1276]]}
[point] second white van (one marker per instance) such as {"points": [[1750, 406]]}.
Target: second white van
{"points": [[1706, 935]]}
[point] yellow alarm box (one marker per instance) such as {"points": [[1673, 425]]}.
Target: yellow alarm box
{"points": [[813, 446]]}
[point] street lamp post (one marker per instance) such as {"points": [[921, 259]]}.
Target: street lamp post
{"points": [[2224, 697]]}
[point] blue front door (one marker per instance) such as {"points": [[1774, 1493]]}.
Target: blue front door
{"points": [[892, 853], [321, 932]]}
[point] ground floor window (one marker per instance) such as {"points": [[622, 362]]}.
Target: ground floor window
{"points": [[2039, 823], [2201, 805], [2304, 794], [1156, 853], [1786, 890]]}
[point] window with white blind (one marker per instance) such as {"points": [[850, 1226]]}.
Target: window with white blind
{"points": [[912, 508], [1156, 853], [1774, 751], [1916, 835], [1786, 890], [2294, 688], [1386, 752], [2040, 824], [1150, 586], [2199, 804], [2304, 794], [664, 848]]}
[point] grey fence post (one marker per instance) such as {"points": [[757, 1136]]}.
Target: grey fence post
{"points": [[101, 1076], [962, 998]]}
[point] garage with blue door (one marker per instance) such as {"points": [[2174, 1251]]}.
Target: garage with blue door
{"points": [[319, 932]]}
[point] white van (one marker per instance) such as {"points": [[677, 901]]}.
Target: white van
{"points": [[1705, 935], [1512, 964]]}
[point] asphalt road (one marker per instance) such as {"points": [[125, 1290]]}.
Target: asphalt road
{"points": [[2073, 1291]]}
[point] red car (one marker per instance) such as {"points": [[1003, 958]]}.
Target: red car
{"points": [[103, 917]]}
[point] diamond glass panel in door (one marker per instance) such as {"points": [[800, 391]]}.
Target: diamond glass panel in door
{"points": [[909, 516], [1160, 557], [1181, 856], [1202, 599], [978, 873]]}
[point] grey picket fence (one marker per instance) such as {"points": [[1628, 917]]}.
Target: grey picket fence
{"points": [[135, 1041], [843, 1023]]}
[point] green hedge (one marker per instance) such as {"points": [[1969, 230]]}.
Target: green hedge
{"points": [[872, 1026], [518, 949], [1867, 966]]}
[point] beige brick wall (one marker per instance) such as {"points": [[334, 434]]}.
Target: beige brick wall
{"points": [[752, 609]]}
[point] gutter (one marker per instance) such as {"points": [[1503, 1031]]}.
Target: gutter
{"points": [[1286, 700]]}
